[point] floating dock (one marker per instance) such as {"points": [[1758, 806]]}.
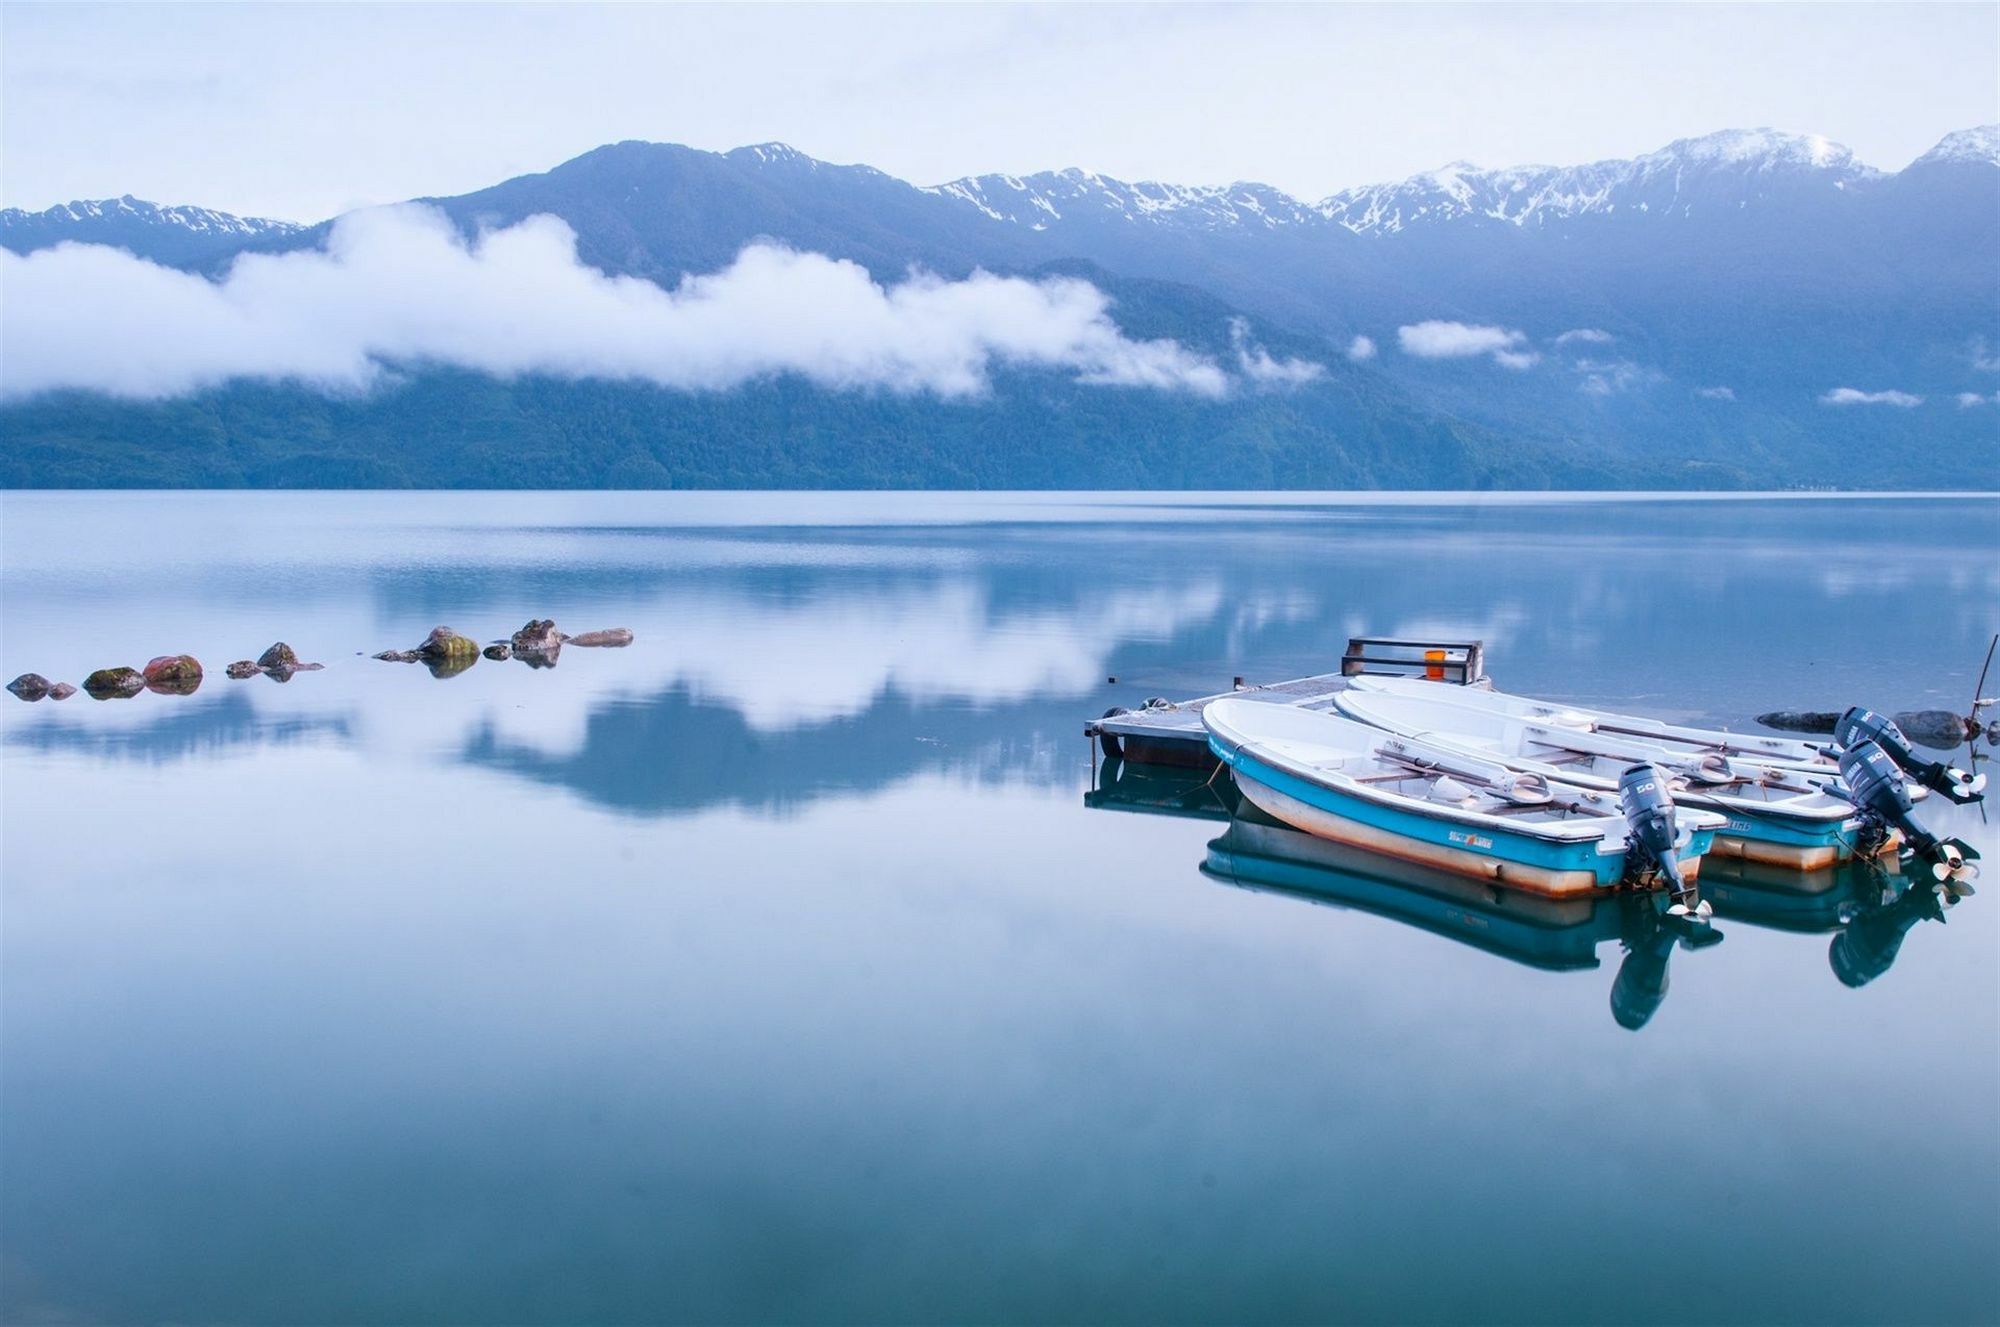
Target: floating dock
{"points": [[1170, 733]]}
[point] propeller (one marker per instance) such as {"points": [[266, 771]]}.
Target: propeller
{"points": [[1953, 863]]}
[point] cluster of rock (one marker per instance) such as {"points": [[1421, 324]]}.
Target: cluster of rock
{"points": [[278, 663], [445, 651], [33, 686], [166, 675], [538, 644]]}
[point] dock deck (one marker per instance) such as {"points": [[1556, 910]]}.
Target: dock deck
{"points": [[1172, 734]]}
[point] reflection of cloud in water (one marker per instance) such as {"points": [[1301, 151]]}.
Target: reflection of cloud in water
{"points": [[789, 663]]}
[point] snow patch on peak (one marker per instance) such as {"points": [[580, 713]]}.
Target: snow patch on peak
{"points": [[1979, 145], [1076, 194], [775, 154], [1763, 147]]}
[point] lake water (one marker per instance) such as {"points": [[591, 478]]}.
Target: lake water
{"points": [[775, 969]]}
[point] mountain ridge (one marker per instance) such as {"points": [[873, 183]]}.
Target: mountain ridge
{"points": [[1745, 307]]}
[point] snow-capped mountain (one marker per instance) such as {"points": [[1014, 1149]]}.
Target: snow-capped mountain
{"points": [[1728, 171], [167, 234], [1038, 201], [1968, 147]]}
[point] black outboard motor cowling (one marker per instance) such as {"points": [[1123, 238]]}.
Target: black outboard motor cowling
{"points": [[1875, 784], [1650, 846], [1861, 724]]}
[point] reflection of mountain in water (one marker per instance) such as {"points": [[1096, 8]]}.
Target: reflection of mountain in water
{"points": [[778, 664], [202, 728], [678, 752]]}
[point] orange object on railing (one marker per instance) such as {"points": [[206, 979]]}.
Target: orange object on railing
{"points": [[1434, 665]]}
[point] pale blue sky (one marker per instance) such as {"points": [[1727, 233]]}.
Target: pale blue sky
{"points": [[303, 110]]}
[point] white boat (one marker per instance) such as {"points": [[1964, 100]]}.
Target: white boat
{"points": [[1355, 784], [1778, 815], [1676, 743]]}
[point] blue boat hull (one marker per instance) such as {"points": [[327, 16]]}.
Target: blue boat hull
{"points": [[1556, 867]]}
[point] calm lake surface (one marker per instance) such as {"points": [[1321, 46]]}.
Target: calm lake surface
{"points": [[775, 969]]}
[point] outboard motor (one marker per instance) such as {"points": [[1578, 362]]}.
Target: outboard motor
{"points": [[1875, 785], [1650, 847], [1861, 725]]}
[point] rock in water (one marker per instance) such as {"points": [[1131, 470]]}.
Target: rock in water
{"points": [[538, 637], [242, 668], [29, 686], [614, 636], [1800, 721], [1939, 729], [173, 674], [400, 656], [172, 668], [444, 643], [61, 691], [278, 656], [107, 683], [498, 651]]}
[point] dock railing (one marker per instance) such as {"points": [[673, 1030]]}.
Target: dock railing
{"points": [[1463, 662]]}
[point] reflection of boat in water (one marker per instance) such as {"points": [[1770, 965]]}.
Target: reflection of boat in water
{"points": [[1554, 934], [1866, 906], [1869, 906]]}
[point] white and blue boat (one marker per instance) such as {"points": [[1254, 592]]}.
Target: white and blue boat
{"points": [[1777, 815], [1355, 784], [1676, 743]]}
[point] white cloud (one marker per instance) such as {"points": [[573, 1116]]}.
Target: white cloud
{"points": [[1361, 349], [1967, 400], [1586, 335], [400, 286], [1716, 393], [1259, 366], [1983, 357], [1607, 377], [1437, 339], [1855, 396]]}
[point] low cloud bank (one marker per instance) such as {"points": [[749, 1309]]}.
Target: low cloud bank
{"points": [[1593, 336], [1855, 396], [1609, 377], [401, 286], [1967, 400], [1261, 367], [1438, 339]]}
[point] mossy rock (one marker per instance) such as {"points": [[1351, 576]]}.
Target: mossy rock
{"points": [[278, 656], [109, 683], [29, 686], [444, 643]]}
